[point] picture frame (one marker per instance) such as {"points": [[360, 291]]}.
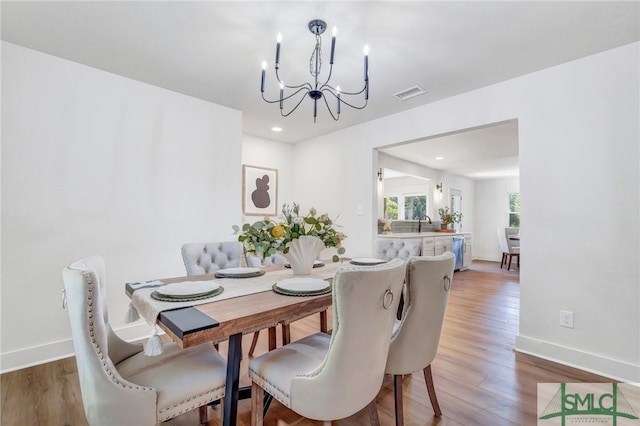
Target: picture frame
{"points": [[259, 191]]}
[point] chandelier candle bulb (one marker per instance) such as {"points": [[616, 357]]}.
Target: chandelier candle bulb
{"points": [[264, 70], [333, 44], [281, 93], [366, 63], [278, 40], [338, 90]]}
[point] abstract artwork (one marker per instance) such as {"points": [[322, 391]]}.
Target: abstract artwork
{"points": [[259, 191]]}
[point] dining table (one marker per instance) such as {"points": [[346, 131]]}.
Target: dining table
{"points": [[220, 318]]}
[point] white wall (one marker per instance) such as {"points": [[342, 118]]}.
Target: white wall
{"points": [[94, 163], [491, 212], [262, 152], [578, 136]]}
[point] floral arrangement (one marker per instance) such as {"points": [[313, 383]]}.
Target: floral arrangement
{"points": [[267, 237], [448, 217]]}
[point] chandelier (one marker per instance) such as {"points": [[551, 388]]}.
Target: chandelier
{"points": [[317, 90]]}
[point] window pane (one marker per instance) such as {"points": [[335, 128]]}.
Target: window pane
{"points": [[391, 208], [415, 207], [514, 203], [514, 220]]}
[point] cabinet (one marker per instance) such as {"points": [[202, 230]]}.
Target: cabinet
{"points": [[443, 244], [428, 246]]}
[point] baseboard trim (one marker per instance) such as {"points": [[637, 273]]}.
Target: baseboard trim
{"points": [[53, 351], [592, 363]]}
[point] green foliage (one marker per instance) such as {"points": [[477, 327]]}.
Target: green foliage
{"points": [[391, 208], [267, 237], [447, 216]]}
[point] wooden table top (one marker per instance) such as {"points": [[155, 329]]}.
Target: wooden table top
{"points": [[247, 313]]}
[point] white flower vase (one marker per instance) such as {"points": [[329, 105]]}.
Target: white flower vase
{"points": [[303, 251]]}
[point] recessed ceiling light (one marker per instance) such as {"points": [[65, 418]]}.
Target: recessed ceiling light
{"points": [[439, 158], [276, 129]]}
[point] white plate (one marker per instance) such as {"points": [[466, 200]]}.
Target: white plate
{"points": [[302, 284], [238, 271], [188, 288], [367, 261]]}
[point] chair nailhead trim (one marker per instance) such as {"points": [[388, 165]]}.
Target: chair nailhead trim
{"points": [[90, 288]]}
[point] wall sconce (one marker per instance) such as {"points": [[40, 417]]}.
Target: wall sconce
{"points": [[439, 187], [380, 175]]}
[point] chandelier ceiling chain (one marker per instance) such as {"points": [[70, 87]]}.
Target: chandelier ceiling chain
{"points": [[316, 90]]}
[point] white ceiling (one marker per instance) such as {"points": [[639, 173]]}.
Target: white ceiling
{"points": [[213, 49]]}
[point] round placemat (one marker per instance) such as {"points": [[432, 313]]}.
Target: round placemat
{"points": [[163, 298]]}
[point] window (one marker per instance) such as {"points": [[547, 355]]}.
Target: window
{"points": [[406, 207], [514, 210]]}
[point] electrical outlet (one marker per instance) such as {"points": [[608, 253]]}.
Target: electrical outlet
{"points": [[566, 319]]}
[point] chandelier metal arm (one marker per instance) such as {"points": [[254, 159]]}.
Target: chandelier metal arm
{"points": [[306, 84], [296, 106], [342, 101], [287, 97]]}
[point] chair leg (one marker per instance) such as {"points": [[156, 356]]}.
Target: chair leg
{"points": [[509, 267], [257, 404], [204, 418], [373, 414], [323, 322], [428, 378], [504, 260], [254, 342], [273, 343], [286, 334], [518, 261], [397, 392]]}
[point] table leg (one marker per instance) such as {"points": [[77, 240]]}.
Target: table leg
{"points": [[233, 380]]}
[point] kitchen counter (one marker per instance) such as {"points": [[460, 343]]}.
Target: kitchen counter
{"points": [[436, 243], [421, 234]]}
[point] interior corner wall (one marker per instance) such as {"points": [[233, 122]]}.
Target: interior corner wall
{"points": [[579, 183], [95, 163]]}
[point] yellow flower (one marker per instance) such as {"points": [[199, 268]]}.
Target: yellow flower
{"points": [[340, 236], [277, 231], [312, 212], [267, 219]]}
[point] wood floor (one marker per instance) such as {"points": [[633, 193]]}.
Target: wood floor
{"points": [[479, 378]]}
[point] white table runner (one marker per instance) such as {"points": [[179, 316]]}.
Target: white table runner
{"points": [[149, 308]]}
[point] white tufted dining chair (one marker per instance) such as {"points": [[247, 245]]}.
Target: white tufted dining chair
{"points": [[416, 335], [330, 377], [120, 385], [207, 258], [274, 260], [403, 248]]}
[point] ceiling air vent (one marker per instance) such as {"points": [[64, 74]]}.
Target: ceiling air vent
{"points": [[409, 93]]}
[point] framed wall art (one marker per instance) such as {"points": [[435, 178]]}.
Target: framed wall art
{"points": [[259, 191]]}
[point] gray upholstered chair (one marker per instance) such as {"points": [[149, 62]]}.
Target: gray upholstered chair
{"points": [[259, 262], [509, 249], [120, 385], [207, 258], [416, 335], [403, 248], [329, 377]]}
